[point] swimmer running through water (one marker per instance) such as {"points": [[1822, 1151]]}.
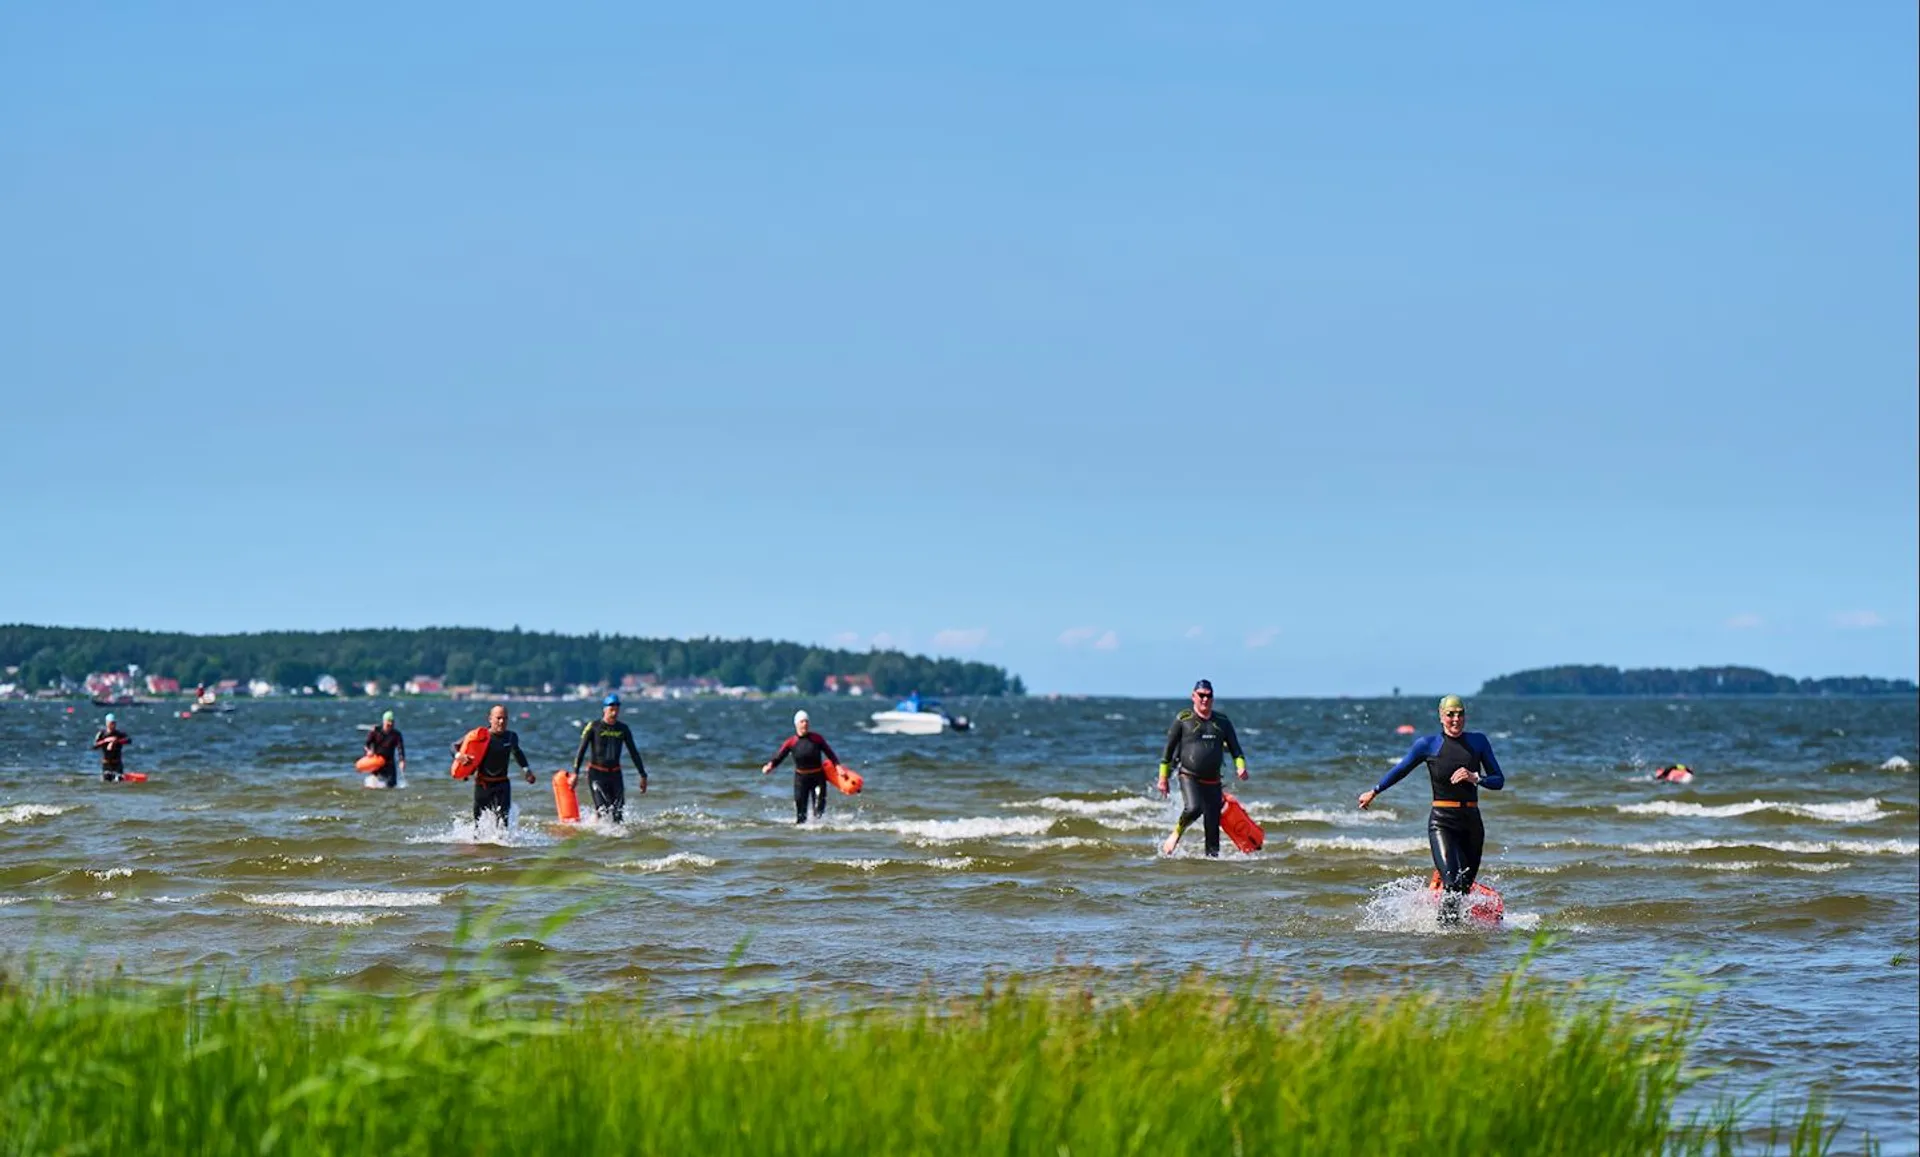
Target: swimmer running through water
{"points": [[600, 746], [1196, 744], [492, 784], [810, 750], [1459, 763]]}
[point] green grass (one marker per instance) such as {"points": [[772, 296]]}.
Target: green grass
{"points": [[111, 1067]]}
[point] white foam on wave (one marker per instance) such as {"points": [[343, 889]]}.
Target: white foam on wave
{"points": [[1756, 865], [1792, 847], [1362, 844], [955, 831], [670, 862], [109, 873], [23, 812], [1897, 763], [1849, 812], [861, 865], [349, 898], [1338, 817], [950, 863], [5, 900], [1058, 843], [347, 919], [1133, 813]]}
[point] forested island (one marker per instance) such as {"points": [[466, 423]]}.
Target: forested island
{"points": [[1594, 680], [39, 658]]}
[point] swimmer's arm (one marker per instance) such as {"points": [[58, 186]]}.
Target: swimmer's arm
{"points": [[1173, 745], [1233, 745], [1416, 755], [519, 756], [633, 750], [780, 756], [1493, 778], [827, 747], [586, 738]]}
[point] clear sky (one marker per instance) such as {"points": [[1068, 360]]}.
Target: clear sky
{"points": [[1318, 351]]}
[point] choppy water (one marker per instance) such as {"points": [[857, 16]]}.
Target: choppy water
{"points": [[1786, 873]]}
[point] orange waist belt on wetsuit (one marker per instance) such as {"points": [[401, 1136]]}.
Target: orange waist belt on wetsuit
{"points": [[597, 767], [1454, 803]]}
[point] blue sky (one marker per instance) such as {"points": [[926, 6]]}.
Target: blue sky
{"points": [[1318, 351]]}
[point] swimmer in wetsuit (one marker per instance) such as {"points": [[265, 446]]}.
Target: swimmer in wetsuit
{"points": [[1197, 744], [809, 749], [385, 742], [109, 742], [492, 782], [600, 745], [1459, 763]]}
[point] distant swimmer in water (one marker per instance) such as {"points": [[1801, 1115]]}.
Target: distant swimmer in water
{"points": [[1678, 773], [385, 742], [492, 782], [1197, 744], [109, 742], [1459, 763], [809, 749], [600, 745]]}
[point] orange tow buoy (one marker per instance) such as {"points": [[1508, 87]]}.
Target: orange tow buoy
{"points": [[845, 778], [564, 800], [473, 748], [1239, 826]]}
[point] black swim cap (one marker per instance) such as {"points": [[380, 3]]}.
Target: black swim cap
{"points": [[1203, 685]]}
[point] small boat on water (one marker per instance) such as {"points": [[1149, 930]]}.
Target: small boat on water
{"points": [[209, 704], [914, 716], [123, 701]]}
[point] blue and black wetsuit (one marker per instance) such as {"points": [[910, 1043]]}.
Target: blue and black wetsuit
{"points": [[1197, 747], [600, 746], [492, 786], [1455, 834]]}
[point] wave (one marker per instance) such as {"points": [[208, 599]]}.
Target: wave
{"points": [[1852, 811], [350, 898], [669, 863], [1792, 847], [110, 873], [955, 831], [1897, 763], [1756, 865], [1338, 817], [1363, 844], [485, 830], [1133, 813], [21, 813], [344, 919]]}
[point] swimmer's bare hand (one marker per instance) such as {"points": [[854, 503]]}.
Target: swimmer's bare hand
{"points": [[1162, 787], [1461, 776], [765, 770], [1242, 773], [1366, 798], [529, 775]]}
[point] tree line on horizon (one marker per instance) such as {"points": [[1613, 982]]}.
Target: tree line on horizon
{"points": [[512, 659], [1597, 680]]}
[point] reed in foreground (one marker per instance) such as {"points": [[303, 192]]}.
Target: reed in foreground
{"points": [[1193, 1068]]}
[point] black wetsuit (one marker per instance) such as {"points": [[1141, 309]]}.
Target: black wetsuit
{"points": [[600, 745], [110, 766], [809, 751], [390, 747], [1198, 747], [492, 786], [1456, 835]]}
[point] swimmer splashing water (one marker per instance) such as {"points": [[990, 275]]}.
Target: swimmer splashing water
{"points": [[1459, 763]]}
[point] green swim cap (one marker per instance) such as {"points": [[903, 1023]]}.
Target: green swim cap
{"points": [[1451, 703], [387, 718]]}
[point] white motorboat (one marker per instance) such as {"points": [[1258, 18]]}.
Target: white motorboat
{"points": [[908, 722], [911, 716]]}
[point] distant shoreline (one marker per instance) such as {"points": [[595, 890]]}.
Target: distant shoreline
{"points": [[1692, 683]]}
